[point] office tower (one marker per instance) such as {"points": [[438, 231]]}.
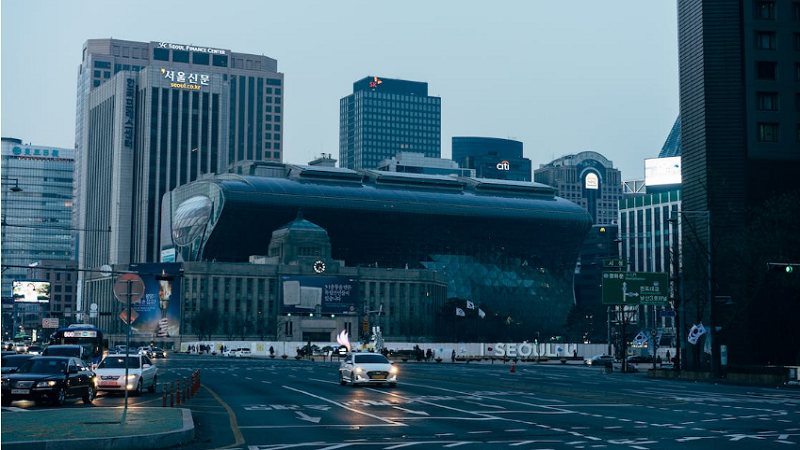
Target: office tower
{"points": [[383, 117], [152, 116], [37, 217], [739, 72], [588, 179], [492, 157]]}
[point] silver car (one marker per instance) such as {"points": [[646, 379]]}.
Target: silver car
{"points": [[367, 368]]}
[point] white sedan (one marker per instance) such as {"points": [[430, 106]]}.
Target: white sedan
{"points": [[367, 368], [142, 374]]}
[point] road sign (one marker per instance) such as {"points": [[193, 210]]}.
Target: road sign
{"points": [[615, 262], [50, 323], [635, 288], [129, 284], [124, 316]]}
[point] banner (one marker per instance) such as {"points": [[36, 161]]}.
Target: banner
{"points": [[158, 312], [460, 312], [695, 332]]}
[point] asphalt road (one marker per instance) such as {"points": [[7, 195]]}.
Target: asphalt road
{"points": [[263, 404]]}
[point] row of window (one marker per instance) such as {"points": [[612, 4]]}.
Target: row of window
{"points": [[770, 132], [182, 56], [767, 10], [770, 101]]}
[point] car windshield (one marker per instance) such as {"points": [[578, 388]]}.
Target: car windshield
{"points": [[114, 362], [370, 359], [42, 365]]}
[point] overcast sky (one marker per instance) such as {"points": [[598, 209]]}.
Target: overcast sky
{"points": [[560, 76]]}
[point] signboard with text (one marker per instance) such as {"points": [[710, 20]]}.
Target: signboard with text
{"points": [[635, 288], [318, 294]]}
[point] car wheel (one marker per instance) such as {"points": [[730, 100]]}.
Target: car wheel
{"points": [[341, 379], [89, 396], [152, 387], [6, 400], [60, 397], [139, 388]]}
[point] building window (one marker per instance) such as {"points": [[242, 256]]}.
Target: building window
{"points": [[161, 54], [220, 60], [767, 70], [765, 40], [768, 132], [765, 10], [767, 101], [200, 58], [180, 56]]}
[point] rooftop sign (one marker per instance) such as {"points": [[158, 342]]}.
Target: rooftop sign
{"points": [[191, 48]]}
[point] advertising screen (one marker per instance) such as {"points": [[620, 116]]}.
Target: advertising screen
{"points": [[661, 171], [325, 295], [30, 291], [158, 312]]}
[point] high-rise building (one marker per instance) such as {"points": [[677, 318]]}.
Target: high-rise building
{"points": [[37, 215], [740, 146], [383, 117], [152, 116], [492, 157], [588, 179]]}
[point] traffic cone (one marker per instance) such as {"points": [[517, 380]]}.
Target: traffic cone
{"points": [[512, 368]]}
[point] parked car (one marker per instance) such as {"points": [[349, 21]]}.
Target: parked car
{"points": [[35, 349], [142, 374], [49, 379], [13, 361], [367, 368], [239, 352], [639, 359], [599, 360]]}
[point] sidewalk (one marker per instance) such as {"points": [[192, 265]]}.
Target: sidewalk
{"points": [[96, 428]]}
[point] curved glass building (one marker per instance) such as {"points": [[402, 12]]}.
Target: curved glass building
{"points": [[508, 247]]}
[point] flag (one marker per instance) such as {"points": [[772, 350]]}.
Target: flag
{"points": [[481, 313], [640, 339], [707, 346], [470, 305], [509, 320], [695, 332], [460, 312]]}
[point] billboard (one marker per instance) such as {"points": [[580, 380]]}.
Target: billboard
{"points": [[158, 312], [30, 291], [315, 294], [662, 171]]}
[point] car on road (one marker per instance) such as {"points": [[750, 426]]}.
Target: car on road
{"points": [[599, 360], [367, 368], [20, 347], [142, 374], [13, 361], [35, 350], [158, 352], [49, 379], [147, 351]]}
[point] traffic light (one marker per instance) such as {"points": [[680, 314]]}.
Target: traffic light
{"points": [[783, 267]]}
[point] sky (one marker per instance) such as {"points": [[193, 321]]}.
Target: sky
{"points": [[562, 77]]}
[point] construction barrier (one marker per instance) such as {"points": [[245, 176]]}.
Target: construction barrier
{"points": [[180, 389]]}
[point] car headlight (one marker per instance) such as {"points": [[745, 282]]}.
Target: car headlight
{"points": [[5, 382], [42, 384], [393, 370], [132, 376], [359, 370]]}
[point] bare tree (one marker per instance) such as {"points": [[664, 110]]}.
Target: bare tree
{"points": [[204, 324]]}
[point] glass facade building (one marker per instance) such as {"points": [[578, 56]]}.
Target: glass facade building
{"points": [[484, 236], [492, 157], [36, 213], [383, 117]]}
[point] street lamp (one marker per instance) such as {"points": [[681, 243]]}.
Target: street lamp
{"points": [[709, 289]]}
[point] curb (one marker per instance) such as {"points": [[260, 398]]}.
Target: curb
{"points": [[165, 439]]}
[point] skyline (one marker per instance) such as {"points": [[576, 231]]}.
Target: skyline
{"points": [[561, 80]]}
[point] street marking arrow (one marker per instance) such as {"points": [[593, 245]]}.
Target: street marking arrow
{"points": [[422, 413], [306, 417]]}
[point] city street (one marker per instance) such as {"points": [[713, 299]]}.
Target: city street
{"points": [[260, 404]]}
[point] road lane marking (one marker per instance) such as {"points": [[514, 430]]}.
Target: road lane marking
{"points": [[231, 417], [343, 406]]}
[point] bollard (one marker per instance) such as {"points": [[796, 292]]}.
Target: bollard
{"points": [[512, 368], [164, 396], [171, 394], [186, 390]]}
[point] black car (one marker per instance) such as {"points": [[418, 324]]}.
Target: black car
{"points": [[50, 379], [13, 361], [639, 359]]}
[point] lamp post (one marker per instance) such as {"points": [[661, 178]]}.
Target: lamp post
{"points": [[709, 289]]}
